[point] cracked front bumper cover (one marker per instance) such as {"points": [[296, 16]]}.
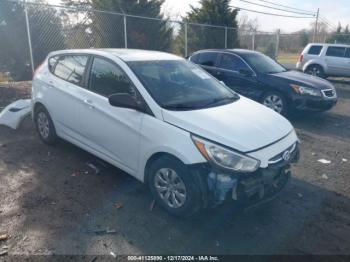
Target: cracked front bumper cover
{"points": [[250, 189]]}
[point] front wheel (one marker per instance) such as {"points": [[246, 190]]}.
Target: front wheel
{"points": [[276, 102], [173, 187]]}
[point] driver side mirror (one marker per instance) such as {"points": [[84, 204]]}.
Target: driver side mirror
{"points": [[124, 101], [245, 72]]}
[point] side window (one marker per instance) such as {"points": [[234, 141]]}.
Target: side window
{"points": [[335, 51], [231, 62], [52, 63], [195, 58], [207, 59], [347, 53], [315, 50], [107, 79], [71, 68]]}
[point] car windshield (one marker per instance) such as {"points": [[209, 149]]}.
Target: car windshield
{"points": [[181, 85], [263, 64]]}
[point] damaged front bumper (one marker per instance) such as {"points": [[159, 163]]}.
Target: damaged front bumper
{"points": [[248, 188]]}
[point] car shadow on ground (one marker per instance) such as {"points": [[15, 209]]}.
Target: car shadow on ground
{"points": [[330, 124], [52, 205], [344, 81]]}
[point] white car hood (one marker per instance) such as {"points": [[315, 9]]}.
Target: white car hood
{"points": [[243, 125]]}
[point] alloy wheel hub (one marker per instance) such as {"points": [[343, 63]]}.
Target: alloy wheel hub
{"points": [[170, 187], [274, 102]]}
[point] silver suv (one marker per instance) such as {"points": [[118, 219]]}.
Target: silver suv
{"points": [[325, 60]]}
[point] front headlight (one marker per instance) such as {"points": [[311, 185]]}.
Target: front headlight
{"points": [[225, 158], [304, 90]]}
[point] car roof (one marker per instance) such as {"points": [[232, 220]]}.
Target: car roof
{"points": [[236, 51], [123, 53], [327, 44]]}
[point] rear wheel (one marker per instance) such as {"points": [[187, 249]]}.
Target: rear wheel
{"points": [[315, 70], [173, 187], [45, 126], [276, 102]]}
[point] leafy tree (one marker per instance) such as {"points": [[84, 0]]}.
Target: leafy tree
{"points": [[270, 50], [339, 28], [340, 36], [109, 28], [304, 38], [211, 12], [46, 35], [14, 53], [46, 31]]}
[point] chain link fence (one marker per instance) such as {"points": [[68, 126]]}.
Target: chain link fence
{"points": [[29, 31]]}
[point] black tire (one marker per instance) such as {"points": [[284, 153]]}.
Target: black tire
{"points": [[48, 137], [315, 70], [193, 195], [268, 96]]}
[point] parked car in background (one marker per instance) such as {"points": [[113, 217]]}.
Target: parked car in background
{"points": [[325, 60], [261, 78], [166, 122]]}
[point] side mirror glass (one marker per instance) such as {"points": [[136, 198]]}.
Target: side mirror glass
{"points": [[124, 101], [245, 72]]}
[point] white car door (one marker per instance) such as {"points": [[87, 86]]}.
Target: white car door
{"points": [[336, 61], [63, 87], [113, 132]]}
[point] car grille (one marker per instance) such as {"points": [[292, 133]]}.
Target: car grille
{"points": [[328, 93], [279, 157]]}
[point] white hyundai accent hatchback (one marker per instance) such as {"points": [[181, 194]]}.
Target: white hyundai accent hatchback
{"points": [[166, 122]]}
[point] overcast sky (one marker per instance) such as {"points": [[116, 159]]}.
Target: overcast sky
{"points": [[334, 10]]}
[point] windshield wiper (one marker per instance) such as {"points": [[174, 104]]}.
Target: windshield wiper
{"points": [[275, 72], [196, 105], [179, 107], [220, 101]]}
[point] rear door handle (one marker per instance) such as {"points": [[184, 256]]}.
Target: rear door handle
{"points": [[89, 103]]}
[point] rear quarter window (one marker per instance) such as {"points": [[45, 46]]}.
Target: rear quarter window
{"points": [[315, 50], [52, 63], [335, 51], [69, 67]]}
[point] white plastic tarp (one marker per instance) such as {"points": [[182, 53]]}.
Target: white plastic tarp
{"points": [[14, 113]]}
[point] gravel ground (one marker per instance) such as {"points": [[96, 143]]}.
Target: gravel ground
{"points": [[52, 203]]}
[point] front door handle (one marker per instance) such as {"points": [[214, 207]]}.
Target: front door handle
{"points": [[89, 103]]}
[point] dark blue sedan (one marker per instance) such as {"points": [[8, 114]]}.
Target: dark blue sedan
{"points": [[257, 76]]}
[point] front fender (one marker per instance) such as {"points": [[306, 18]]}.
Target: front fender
{"points": [[159, 137]]}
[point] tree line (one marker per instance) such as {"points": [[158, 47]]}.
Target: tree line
{"points": [[78, 26]]}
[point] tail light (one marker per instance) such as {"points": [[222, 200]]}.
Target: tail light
{"points": [[301, 58]]}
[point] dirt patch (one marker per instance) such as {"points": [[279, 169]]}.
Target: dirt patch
{"points": [[10, 92]]}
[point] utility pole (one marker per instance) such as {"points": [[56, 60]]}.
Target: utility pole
{"points": [[253, 40], [316, 25], [277, 43], [186, 44], [29, 36]]}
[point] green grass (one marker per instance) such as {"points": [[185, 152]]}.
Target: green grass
{"points": [[288, 58], [4, 77]]}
